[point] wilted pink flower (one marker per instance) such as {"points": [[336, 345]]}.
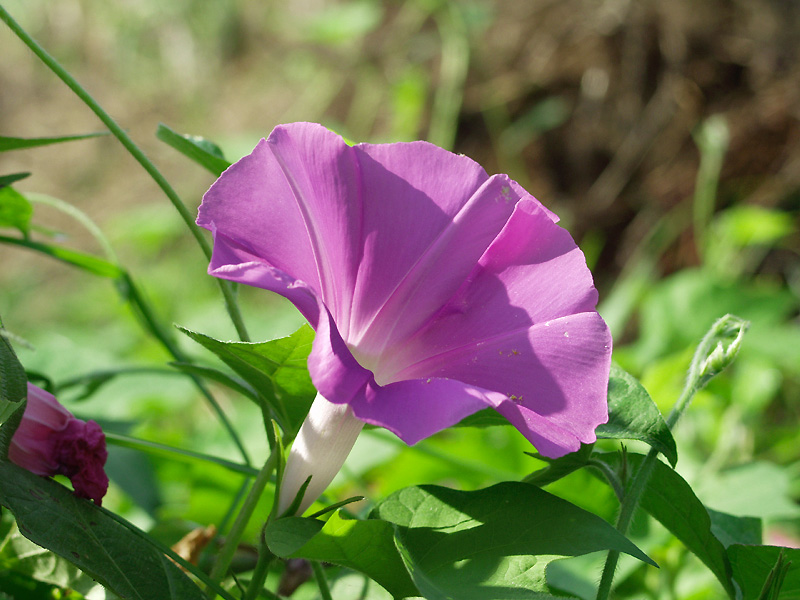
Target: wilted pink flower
{"points": [[434, 289], [50, 441]]}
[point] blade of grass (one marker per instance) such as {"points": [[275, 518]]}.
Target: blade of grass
{"points": [[16, 143], [173, 453]]}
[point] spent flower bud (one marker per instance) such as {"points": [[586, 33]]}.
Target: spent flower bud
{"points": [[51, 441]]}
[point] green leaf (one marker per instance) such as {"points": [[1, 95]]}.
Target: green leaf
{"points": [[87, 262], [276, 370], [22, 556], [15, 210], [13, 382], [730, 529], [752, 564], [634, 416], [288, 535], [12, 178], [51, 516], [491, 543], [15, 143], [8, 429], [559, 467], [204, 152], [365, 546], [750, 225], [757, 489], [671, 501]]}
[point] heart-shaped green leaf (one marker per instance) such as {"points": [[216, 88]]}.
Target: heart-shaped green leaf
{"points": [[632, 415], [491, 543]]}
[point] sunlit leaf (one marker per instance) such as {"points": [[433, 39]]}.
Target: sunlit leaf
{"points": [[365, 546], [749, 225], [15, 210], [275, 369], [204, 152], [491, 543], [634, 416], [16, 143]]}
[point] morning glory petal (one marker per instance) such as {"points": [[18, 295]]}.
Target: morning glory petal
{"points": [[435, 290], [294, 202], [429, 215], [398, 406]]}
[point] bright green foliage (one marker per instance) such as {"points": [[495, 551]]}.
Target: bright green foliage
{"points": [[15, 210], [276, 370], [366, 546], [633, 415], [204, 152], [16, 143], [85, 262], [491, 543]]}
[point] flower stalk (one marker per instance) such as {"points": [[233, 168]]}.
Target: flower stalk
{"points": [[225, 556], [716, 351], [319, 451]]}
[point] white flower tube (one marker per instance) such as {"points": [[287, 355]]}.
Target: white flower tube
{"points": [[319, 450]]}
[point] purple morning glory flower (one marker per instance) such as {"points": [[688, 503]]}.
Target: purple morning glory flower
{"points": [[51, 441], [435, 291]]}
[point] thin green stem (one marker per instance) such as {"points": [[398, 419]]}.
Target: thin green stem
{"points": [[81, 217], [137, 153], [716, 350], [627, 508], [131, 292], [712, 140], [265, 558], [233, 538], [156, 449], [322, 580]]}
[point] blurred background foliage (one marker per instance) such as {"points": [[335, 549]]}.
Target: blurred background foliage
{"points": [[665, 134]]}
